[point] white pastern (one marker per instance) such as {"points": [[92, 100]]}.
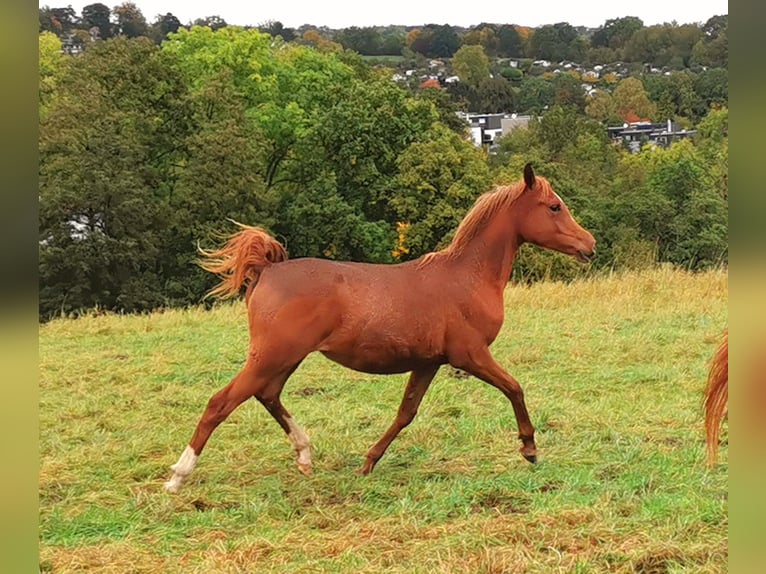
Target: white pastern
{"points": [[181, 469], [301, 445]]}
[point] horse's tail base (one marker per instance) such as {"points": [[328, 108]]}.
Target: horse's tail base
{"points": [[241, 260]]}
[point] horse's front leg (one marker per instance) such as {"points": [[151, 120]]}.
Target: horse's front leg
{"points": [[481, 364], [417, 385]]}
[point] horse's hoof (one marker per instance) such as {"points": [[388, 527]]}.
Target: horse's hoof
{"points": [[171, 486], [531, 458], [305, 469], [364, 471]]}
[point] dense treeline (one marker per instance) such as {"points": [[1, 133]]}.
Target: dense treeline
{"points": [[147, 148], [619, 39]]}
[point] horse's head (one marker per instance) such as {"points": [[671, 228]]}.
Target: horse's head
{"points": [[545, 220]]}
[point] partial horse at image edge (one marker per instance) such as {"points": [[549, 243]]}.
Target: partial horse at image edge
{"points": [[716, 397]]}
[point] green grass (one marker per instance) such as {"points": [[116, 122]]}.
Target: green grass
{"points": [[613, 370]]}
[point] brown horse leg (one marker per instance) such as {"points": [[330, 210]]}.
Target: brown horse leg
{"points": [[417, 385], [220, 406], [249, 382], [269, 398], [483, 366]]}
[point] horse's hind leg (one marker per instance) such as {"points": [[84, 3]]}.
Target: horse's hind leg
{"points": [[256, 380], [220, 406], [297, 436], [417, 385]]}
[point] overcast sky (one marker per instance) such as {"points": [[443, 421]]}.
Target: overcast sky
{"points": [[533, 13]]}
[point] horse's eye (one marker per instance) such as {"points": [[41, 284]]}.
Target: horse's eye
{"points": [[556, 207]]}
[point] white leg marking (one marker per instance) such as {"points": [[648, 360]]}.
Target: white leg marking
{"points": [[181, 469], [301, 446]]}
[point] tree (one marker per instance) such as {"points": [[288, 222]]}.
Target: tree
{"points": [[444, 42], [600, 106], [212, 22], [98, 16], [483, 35], [616, 32], [555, 42], [57, 20], [631, 100], [495, 95], [435, 41], [558, 128], [106, 155], [713, 48], [535, 95], [392, 42], [130, 20], [439, 179], [50, 62], [471, 64], [509, 43], [663, 45], [366, 41], [275, 28], [712, 87], [568, 91], [164, 25]]}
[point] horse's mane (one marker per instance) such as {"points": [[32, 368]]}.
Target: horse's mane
{"points": [[485, 208]]}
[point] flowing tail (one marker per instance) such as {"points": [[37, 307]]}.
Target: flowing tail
{"points": [[717, 397], [241, 260]]}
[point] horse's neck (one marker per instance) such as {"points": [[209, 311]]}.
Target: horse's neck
{"points": [[490, 254]]}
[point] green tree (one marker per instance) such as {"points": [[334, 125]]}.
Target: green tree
{"points": [[98, 15], [712, 87], [130, 20], [50, 62], [57, 20], [484, 35], [471, 64], [275, 28], [631, 100], [366, 41], [439, 179], [163, 26], [713, 48], [669, 199], [106, 152], [212, 22], [600, 106], [509, 43], [435, 41], [535, 95], [568, 91], [495, 95], [556, 42], [616, 32]]}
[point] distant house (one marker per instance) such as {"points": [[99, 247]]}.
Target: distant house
{"points": [[635, 134], [487, 128]]}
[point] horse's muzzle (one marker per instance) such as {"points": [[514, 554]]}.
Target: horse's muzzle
{"points": [[585, 256]]}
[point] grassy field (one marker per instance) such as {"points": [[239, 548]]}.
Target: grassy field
{"points": [[613, 370]]}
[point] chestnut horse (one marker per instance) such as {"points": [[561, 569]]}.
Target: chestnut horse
{"points": [[716, 397], [444, 308]]}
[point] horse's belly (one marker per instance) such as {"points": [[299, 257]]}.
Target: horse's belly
{"points": [[381, 358]]}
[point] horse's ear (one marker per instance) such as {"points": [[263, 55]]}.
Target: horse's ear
{"points": [[529, 176]]}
